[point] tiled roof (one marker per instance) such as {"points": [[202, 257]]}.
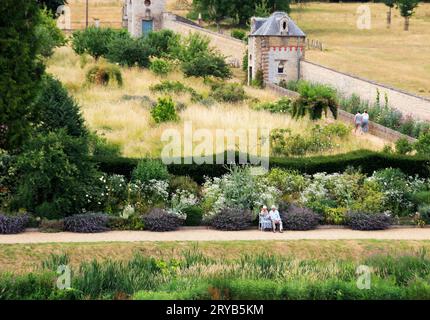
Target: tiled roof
{"points": [[271, 26]]}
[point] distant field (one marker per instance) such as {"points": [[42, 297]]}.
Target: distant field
{"points": [[391, 56]]}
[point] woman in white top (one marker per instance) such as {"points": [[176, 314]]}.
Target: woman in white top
{"points": [[365, 122]]}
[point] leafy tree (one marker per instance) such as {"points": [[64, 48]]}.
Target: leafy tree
{"points": [[314, 100], [423, 144], [206, 65], [58, 110], [214, 10], [390, 4], [51, 5], [55, 175], [407, 8], [48, 34], [20, 70], [163, 43], [262, 9], [95, 41], [129, 52]]}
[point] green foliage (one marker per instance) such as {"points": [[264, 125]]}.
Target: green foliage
{"points": [[320, 139], [239, 34], [262, 9], [163, 43], [245, 63], [184, 183], [100, 147], [106, 74], [258, 81], [228, 92], [164, 110], [160, 66], [148, 170], [51, 226], [407, 7], [58, 110], [206, 65], [176, 87], [129, 52], [283, 105], [20, 70], [54, 174], [403, 146], [314, 100], [49, 36], [423, 144], [194, 216], [335, 216], [94, 41]]}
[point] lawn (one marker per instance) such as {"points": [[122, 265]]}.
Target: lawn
{"points": [[23, 258]]}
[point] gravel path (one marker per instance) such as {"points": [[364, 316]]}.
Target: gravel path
{"points": [[199, 234]]}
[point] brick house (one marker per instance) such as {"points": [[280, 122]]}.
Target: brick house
{"points": [[143, 16], [276, 46]]}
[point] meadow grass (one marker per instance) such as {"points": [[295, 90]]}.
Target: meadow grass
{"points": [[122, 114], [391, 56], [192, 275], [22, 258]]}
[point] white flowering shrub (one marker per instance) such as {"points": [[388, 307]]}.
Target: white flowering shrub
{"points": [[237, 189], [181, 200]]}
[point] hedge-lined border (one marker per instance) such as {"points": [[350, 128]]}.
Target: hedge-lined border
{"points": [[367, 161]]}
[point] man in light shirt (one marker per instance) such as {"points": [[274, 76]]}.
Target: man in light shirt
{"points": [[276, 219]]}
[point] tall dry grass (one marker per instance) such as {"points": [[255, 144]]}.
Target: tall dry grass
{"points": [[122, 114]]}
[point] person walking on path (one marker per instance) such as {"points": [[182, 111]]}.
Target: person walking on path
{"points": [[365, 122], [358, 118]]}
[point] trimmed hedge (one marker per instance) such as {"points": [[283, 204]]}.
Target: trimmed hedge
{"points": [[298, 218], [232, 219], [368, 161], [160, 220], [87, 223], [13, 224], [368, 221]]}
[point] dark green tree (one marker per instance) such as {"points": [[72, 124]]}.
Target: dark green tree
{"points": [[214, 10], [56, 174], [407, 8], [58, 110], [20, 70]]}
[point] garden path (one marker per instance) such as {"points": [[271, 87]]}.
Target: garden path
{"points": [[203, 234]]}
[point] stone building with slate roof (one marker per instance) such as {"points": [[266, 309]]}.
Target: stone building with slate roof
{"points": [[276, 46], [141, 17]]}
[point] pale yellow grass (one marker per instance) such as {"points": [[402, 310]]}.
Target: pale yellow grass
{"points": [[128, 122], [392, 56]]}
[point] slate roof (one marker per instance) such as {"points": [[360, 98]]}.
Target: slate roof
{"points": [[271, 26]]}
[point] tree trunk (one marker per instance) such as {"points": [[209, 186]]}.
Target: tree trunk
{"points": [[389, 18], [406, 24]]}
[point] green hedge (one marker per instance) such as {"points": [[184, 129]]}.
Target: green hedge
{"points": [[367, 161]]}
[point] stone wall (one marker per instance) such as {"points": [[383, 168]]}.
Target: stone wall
{"points": [[230, 47], [407, 103], [374, 128]]}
